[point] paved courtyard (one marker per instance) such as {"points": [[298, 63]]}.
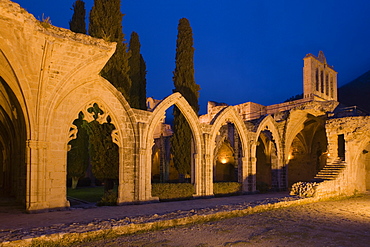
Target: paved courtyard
{"points": [[331, 223]]}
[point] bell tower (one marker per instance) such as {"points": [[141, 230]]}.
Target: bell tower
{"points": [[319, 78]]}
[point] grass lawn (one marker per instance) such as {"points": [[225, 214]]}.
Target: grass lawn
{"points": [[90, 194]]}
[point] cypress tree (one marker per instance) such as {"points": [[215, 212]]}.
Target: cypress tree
{"points": [[78, 155], [142, 91], [103, 152], [77, 24], [137, 74], [106, 23], [185, 84]]}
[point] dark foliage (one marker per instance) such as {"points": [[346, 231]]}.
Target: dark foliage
{"points": [[103, 152], [77, 23], [184, 82], [106, 23], [137, 74], [78, 155]]}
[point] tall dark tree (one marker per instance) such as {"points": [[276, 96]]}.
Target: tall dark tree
{"points": [[78, 155], [106, 23], [185, 84], [137, 74], [103, 152], [77, 24]]}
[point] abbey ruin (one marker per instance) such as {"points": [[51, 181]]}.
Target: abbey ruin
{"points": [[48, 75]]}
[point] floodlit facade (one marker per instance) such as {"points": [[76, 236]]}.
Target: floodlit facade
{"points": [[48, 75]]}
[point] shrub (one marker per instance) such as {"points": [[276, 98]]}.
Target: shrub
{"points": [[263, 187], [109, 199], [173, 191], [304, 189], [226, 188]]}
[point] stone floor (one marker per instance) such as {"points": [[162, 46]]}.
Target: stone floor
{"points": [[17, 225]]}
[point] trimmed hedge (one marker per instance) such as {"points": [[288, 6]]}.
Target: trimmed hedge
{"points": [[227, 188], [173, 191]]}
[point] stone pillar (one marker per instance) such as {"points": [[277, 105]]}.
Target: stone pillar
{"points": [[252, 174], [126, 186], [42, 193], [248, 179], [36, 194], [128, 156], [143, 165], [203, 171]]}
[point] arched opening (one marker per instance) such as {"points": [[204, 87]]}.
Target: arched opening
{"points": [[92, 159], [267, 163], [317, 79], [13, 139], [227, 160], [163, 168], [363, 168], [178, 175], [308, 152], [226, 167], [228, 154]]}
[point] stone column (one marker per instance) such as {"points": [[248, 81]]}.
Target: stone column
{"points": [[203, 171], [143, 165], [251, 179], [39, 185]]}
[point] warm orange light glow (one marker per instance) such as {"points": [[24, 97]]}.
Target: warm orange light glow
{"points": [[290, 156], [223, 160]]}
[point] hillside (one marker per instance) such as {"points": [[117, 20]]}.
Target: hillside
{"points": [[356, 92]]}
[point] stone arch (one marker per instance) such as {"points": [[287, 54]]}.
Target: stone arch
{"points": [[294, 126], [157, 114], [224, 166], [276, 169], [269, 123], [229, 114], [13, 150], [66, 109], [15, 129], [17, 83], [360, 163], [305, 146]]}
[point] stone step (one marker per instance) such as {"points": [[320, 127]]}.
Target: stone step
{"points": [[326, 176], [330, 171], [336, 165]]}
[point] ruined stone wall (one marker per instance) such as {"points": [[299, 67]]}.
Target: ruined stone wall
{"points": [[54, 74], [354, 178]]}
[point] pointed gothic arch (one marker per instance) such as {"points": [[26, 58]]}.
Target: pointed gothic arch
{"points": [[157, 114], [15, 130], [305, 146], [230, 114], [67, 108], [359, 161], [268, 139]]}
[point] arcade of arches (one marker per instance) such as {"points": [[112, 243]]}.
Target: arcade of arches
{"points": [[49, 75]]}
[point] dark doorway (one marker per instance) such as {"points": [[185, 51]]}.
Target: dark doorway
{"points": [[341, 147]]}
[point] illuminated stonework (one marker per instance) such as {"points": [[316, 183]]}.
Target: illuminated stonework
{"points": [[49, 75]]}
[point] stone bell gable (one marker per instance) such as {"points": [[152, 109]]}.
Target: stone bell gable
{"points": [[319, 78]]}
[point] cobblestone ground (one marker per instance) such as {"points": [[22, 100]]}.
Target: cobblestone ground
{"points": [[332, 223]]}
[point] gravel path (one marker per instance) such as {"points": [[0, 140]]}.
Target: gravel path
{"points": [[331, 223], [19, 226]]}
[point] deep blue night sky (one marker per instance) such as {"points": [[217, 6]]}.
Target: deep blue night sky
{"points": [[246, 50]]}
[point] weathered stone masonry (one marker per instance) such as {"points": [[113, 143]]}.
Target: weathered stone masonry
{"points": [[48, 75]]}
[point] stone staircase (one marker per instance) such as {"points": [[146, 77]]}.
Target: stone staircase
{"points": [[330, 171]]}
